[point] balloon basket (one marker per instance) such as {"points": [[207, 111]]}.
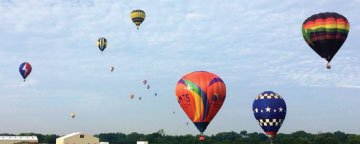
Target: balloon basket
{"points": [[271, 139], [328, 66]]}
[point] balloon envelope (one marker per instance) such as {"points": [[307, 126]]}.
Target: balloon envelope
{"points": [[325, 33], [270, 111], [72, 115], [132, 96], [137, 16], [201, 95], [111, 68], [25, 69], [102, 43]]}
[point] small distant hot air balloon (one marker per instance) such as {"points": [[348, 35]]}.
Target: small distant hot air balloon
{"points": [[112, 68], [195, 94], [102, 43], [173, 112], [187, 123], [25, 69], [72, 115], [144, 82], [137, 16], [139, 98], [325, 33], [132, 96], [155, 94], [148, 86], [270, 111]]}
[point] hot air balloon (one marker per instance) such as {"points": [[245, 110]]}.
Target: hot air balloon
{"points": [[132, 96], [139, 98], [173, 112], [270, 111], [102, 43], [144, 82], [112, 68], [25, 69], [155, 94], [325, 33], [137, 16], [72, 115], [201, 95], [148, 86]]}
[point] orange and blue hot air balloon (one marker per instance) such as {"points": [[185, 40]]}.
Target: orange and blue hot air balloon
{"points": [[201, 95], [270, 111], [25, 69]]}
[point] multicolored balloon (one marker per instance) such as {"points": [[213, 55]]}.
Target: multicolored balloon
{"points": [[25, 70], [201, 95], [102, 43], [137, 16], [325, 33], [270, 111]]}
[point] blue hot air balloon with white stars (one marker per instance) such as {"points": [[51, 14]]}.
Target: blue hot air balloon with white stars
{"points": [[269, 110]]}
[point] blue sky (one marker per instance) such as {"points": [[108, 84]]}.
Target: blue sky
{"points": [[252, 45]]}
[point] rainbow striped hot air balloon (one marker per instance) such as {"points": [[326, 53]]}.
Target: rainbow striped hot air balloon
{"points": [[325, 33], [201, 95]]}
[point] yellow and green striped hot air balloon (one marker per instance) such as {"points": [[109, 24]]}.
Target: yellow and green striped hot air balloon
{"points": [[137, 16], [102, 43]]}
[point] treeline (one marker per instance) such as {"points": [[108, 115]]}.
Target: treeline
{"points": [[299, 137]]}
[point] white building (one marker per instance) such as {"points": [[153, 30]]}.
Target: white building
{"points": [[77, 138], [18, 139], [142, 142]]}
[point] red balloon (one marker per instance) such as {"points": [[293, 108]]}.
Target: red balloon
{"points": [[201, 95]]}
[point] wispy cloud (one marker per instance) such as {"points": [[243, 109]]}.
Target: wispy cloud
{"points": [[194, 16]]}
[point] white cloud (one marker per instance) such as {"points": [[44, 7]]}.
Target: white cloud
{"points": [[194, 16], [348, 86]]}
